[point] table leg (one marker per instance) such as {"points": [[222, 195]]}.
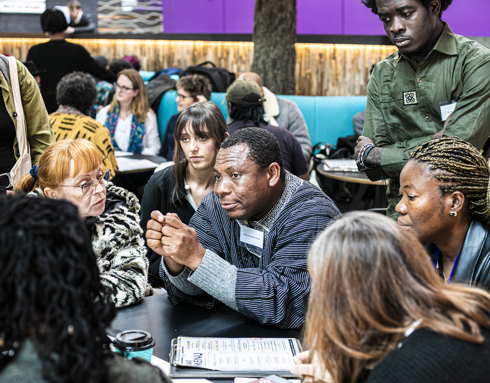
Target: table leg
{"points": [[358, 198]]}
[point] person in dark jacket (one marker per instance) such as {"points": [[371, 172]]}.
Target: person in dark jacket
{"points": [[445, 202], [59, 57], [54, 307], [378, 313], [180, 188]]}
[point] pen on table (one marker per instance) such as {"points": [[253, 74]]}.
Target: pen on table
{"points": [[310, 355]]}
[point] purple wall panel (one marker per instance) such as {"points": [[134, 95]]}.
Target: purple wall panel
{"points": [[350, 17], [469, 17], [359, 20], [193, 16], [319, 17], [239, 16]]}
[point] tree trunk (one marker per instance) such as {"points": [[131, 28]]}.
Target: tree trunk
{"points": [[274, 38]]}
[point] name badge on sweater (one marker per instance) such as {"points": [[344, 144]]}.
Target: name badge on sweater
{"points": [[251, 236], [447, 107], [252, 240]]}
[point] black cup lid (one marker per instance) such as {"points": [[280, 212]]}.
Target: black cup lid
{"points": [[134, 340]]}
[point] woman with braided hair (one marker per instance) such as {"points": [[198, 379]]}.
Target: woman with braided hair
{"points": [[54, 308], [445, 202]]}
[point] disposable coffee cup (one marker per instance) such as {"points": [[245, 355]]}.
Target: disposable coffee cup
{"points": [[135, 344]]}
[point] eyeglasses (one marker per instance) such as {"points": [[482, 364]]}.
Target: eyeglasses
{"points": [[182, 96], [123, 88], [89, 188]]}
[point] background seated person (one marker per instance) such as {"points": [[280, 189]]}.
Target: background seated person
{"points": [[129, 118], [79, 22], [36, 73], [179, 189], [75, 95], [54, 310], [284, 113], [445, 201], [116, 66], [72, 170], [245, 110], [264, 274], [379, 313], [103, 87], [190, 89], [134, 61]]}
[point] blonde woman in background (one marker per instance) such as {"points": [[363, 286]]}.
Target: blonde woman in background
{"points": [[131, 122]]}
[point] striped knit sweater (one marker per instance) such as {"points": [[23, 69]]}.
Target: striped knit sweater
{"points": [[271, 287]]}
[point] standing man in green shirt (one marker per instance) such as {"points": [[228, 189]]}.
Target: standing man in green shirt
{"points": [[435, 74]]}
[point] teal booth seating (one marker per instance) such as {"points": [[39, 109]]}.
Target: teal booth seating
{"points": [[328, 118], [146, 75]]}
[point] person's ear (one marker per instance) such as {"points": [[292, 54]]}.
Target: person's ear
{"points": [[435, 7], [227, 134], [457, 200], [200, 98], [274, 174], [51, 193], [136, 92]]}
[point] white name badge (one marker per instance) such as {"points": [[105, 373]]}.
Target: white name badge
{"points": [[252, 237], [447, 108]]}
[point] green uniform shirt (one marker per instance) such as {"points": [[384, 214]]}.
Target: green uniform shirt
{"points": [[403, 108]]}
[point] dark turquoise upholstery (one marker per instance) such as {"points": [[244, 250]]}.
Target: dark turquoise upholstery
{"points": [[328, 118]]}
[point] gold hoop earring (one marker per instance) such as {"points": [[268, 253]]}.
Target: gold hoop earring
{"points": [[453, 214]]}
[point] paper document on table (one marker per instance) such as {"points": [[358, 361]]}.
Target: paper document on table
{"points": [[119, 153], [250, 380], [342, 165], [165, 367], [235, 354], [125, 164]]}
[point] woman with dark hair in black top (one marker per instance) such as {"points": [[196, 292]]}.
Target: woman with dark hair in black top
{"points": [[179, 189]]}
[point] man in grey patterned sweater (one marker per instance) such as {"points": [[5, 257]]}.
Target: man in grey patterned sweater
{"points": [[246, 245]]}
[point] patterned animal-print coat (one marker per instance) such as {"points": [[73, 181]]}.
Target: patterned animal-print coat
{"points": [[117, 240]]}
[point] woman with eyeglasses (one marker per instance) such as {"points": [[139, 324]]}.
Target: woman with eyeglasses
{"points": [[190, 89], [72, 170], [131, 122]]}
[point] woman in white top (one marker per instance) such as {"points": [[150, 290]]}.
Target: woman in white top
{"points": [[131, 122]]}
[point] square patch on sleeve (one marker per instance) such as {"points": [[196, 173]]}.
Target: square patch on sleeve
{"points": [[410, 98]]}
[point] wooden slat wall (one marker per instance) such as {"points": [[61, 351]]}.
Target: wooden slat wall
{"points": [[321, 69]]}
